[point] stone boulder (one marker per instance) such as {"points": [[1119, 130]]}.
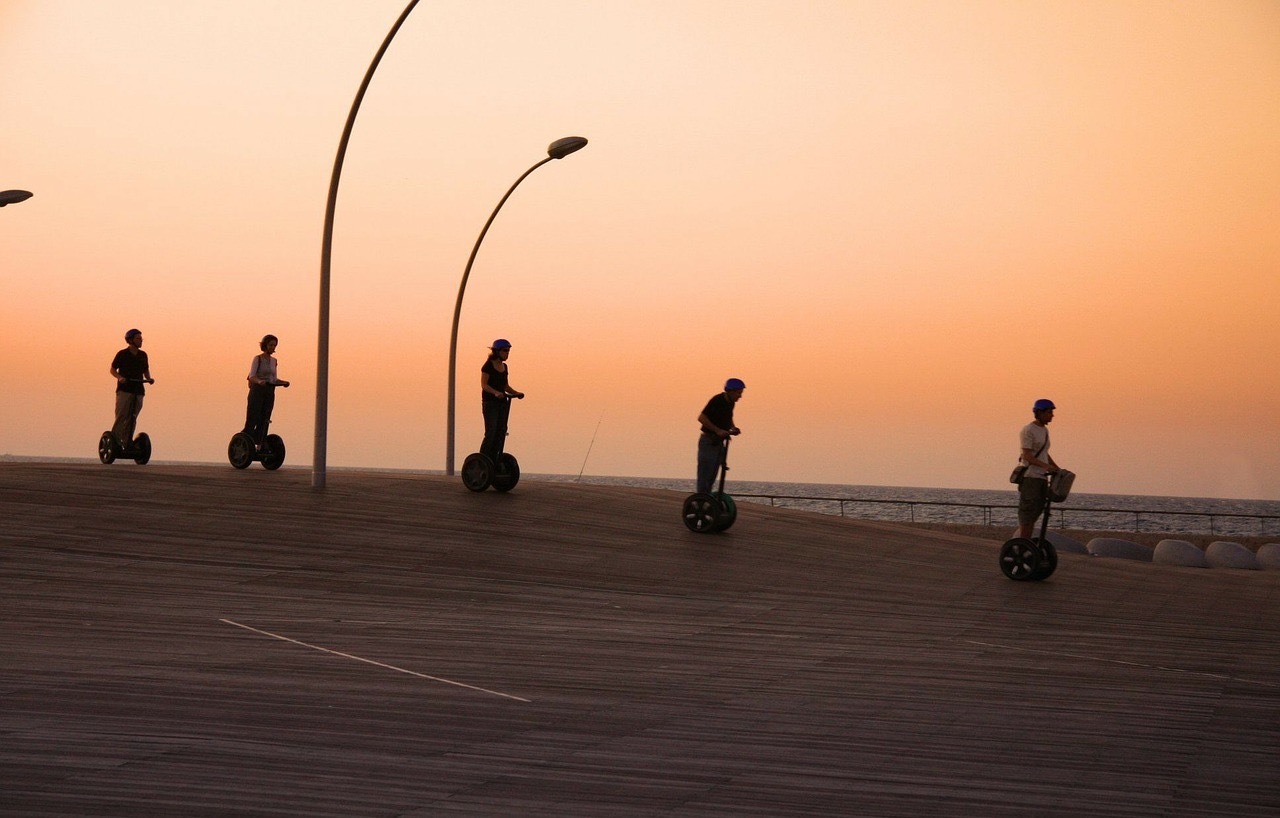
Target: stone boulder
{"points": [[1269, 555], [1180, 553], [1120, 549], [1230, 555]]}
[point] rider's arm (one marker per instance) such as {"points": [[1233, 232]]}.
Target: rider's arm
{"points": [[1029, 457], [708, 426]]}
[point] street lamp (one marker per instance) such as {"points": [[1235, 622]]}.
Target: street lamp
{"points": [[8, 197], [556, 150], [326, 251]]}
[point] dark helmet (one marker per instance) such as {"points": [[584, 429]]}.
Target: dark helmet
{"points": [[501, 343], [1043, 404], [734, 383]]}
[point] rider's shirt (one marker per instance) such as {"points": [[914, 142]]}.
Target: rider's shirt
{"points": [[264, 368], [132, 366], [497, 380]]}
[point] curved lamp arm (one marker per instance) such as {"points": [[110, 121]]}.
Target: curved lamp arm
{"points": [[556, 150], [8, 197]]}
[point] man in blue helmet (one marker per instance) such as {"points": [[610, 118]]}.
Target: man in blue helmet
{"points": [[1033, 491], [717, 427]]}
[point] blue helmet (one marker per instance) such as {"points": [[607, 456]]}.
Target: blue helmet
{"points": [[1043, 404], [501, 343], [734, 383]]}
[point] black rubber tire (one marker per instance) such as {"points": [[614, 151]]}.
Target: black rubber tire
{"points": [[507, 474], [142, 449], [107, 448], [273, 452], [240, 450], [702, 513], [477, 472], [1048, 560], [1020, 558], [730, 515]]}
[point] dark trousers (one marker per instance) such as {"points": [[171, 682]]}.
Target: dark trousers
{"points": [[710, 456], [496, 413], [262, 399], [128, 405]]}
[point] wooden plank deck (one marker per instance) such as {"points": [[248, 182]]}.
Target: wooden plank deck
{"points": [[188, 640]]}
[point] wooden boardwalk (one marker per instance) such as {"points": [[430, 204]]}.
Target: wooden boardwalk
{"points": [[192, 641]]}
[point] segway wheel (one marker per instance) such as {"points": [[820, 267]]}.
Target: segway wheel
{"points": [[1048, 560], [141, 449], [107, 448], [1020, 558], [477, 472], [240, 450], [702, 513], [730, 511], [273, 453], [507, 474]]}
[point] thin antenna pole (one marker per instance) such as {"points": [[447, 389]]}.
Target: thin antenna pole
{"points": [[589, 445]]}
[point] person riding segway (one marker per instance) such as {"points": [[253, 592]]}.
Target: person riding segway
{"points": [[706, 510], [131, 370], [491, 466], [1026, 557], [253, 443]]}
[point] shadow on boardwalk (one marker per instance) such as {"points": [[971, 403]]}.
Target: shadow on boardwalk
{"points": [[197, 641]]}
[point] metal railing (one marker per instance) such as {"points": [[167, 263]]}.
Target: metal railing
{"points": [[1266, 524]]}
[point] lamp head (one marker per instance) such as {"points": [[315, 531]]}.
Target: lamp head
{"points": [[8, 197], [563, 147]]}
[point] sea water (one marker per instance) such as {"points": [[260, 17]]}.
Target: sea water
{"points": [[1104, 512]]}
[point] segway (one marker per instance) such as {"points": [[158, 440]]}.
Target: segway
{"points": [[1034, 558], [707, 513], [138, 450], [243, 450], [479, 472]]}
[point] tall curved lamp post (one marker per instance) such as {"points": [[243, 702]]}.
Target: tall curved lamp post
{"points": [[322, 351], [8, 197], [556, 150]]}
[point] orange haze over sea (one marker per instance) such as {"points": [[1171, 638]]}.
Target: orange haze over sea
{"points": [[899, 222]]}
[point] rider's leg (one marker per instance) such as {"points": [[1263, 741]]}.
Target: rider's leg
{"points": [[494, 428], [710, 450], [128, 406], [124, 410], [1033, 494]]}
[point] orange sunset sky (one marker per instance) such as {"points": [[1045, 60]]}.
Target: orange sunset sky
{"points": [[899, 222]]}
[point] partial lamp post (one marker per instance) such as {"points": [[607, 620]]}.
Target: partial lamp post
{"points": [[319, 466], [8, 197], [556, 150]]}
